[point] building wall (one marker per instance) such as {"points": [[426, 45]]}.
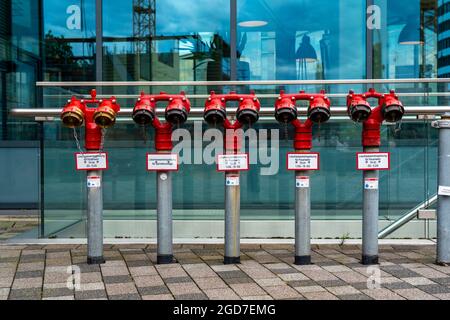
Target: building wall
{"points": [[166, 41]]}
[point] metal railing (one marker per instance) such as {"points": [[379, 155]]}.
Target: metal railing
{"points": [[45, 114]]}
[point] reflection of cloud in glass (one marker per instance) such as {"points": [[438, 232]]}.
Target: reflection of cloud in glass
{"points": [[180, 16]]}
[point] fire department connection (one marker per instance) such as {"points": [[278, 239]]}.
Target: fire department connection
{"points": [[302, 161]]}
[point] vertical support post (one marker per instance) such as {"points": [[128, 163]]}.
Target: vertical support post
{"points": [[443, 208], [370, 216], [99, 41], [164, 217], [232, 219], [233, 40], [95, 217], [302, 220]]}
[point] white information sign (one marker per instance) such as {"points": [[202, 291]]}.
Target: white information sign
{"points": [[302, 182], [162, 162], [232, 181], [444, 191], [371, 183], [373, 161], [232, 162], [94, 182], [91, 160], [303, 161]]}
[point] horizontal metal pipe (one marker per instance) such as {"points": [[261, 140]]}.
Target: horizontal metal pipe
{"points": [[234, 83], [260, 95], [265, 111]]}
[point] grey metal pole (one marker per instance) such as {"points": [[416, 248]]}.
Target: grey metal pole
{"points": [[302, 219], [370, 216], [232, 219], [443, 208], [164, 217], [94, 217]]}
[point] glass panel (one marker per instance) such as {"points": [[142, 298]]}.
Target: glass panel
{"points": [[301, 39], [69, 40]]}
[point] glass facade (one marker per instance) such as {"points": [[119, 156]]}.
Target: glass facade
{"points": [[174, 41]]}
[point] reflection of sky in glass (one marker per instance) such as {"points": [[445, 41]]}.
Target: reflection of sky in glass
{"points": [[55, 17], [289, 20]]}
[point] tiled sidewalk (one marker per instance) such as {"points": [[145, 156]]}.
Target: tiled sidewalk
{"points": [[266, 272]]}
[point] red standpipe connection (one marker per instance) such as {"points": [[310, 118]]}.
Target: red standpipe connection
{"points": [[389, 109], [247, 113], [318, 112], [76, 113], [177, 110]]}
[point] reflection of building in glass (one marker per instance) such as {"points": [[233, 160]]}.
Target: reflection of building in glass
{"points": [[444, 39]]}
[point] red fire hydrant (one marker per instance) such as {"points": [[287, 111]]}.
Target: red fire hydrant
{"points": [[164, 162], [247, 114], [74, 114], [302, 161], [390, 109]]}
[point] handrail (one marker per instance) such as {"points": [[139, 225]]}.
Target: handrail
{"points": [[235, 83], [406, 217], [260, 95], [265, 111]]}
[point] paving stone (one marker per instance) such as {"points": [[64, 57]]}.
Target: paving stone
{"points": [[143, 271], [221, 294], [416, 281], [331, 283], [397, 285], [171, 271], [183, 288], [57, 292], [131, 296], [343, 290], [179, 280], [25, 283], [434, 288], [139, 263], [84, 267], [225, 267], [230, 281], [200, 270], [210, 283], [319, 275], [148, 281], [313, 288], [90, 294], [120, 288], [336, 268], [265, 297], [92, 286], [117, 279], [354, 297], [29, 274], [145, 291], [194, 296], [60, 298], [282, 292], [414, 294], [32, 266], [323, 295], [382, 294], [25, 294], [443, 296], [247, 289], [114, 271], [89, 277], [232, 274], [443, 281], [400, 272], [274, 281], [350, 276], [158, 297]]}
